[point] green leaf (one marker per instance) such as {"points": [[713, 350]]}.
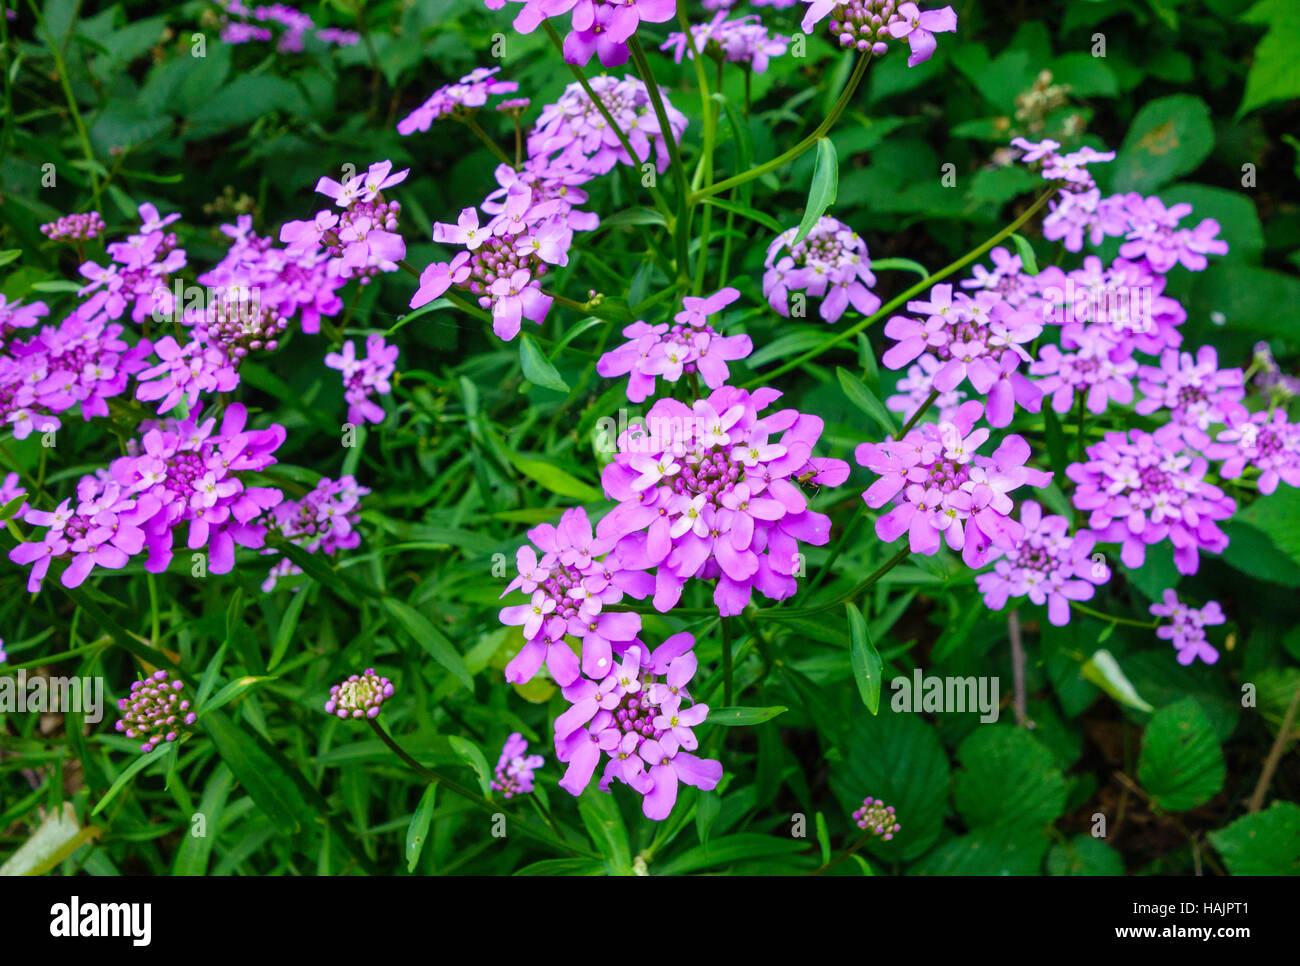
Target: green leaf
{"points": [[1104, 671], [1169, 137], [288, 625], [57, 837], [555, 479], [1253, 552], [1181, 765], [1028, 260], [418, 829], [865, 659], [729, 849], [10, 255], [901, 264], [1275, 69], [825, 185], [141, 762], [231, 691], [194, 850], [1265, 843], [1008, 779], [604, 824], [263, 778], [537, 368], [1084, 855], [733, 717], [989, 850], [474, 758], [762, 218], [866, 400], [422, 631]]}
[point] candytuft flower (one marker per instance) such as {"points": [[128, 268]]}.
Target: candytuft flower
{"points": [[831, 263], [515, 767], [877, 818], [156, 711], [360, 696], [1187, 628]]}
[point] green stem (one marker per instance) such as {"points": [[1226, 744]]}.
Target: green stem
{"points": [[857, 591], [840, 544], [916, 416], [681, 229], [537, 832], [786, 157], [655, 194], [920, 286], [61, 65], [482, 135], [727, 669], [1083, 609]]}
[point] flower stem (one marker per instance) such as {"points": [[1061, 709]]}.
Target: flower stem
{"points": [[726, 663], [1075, 605], [681, 229], [857, 591], [916, 416], [482, 135], [538, 832], [786, 157]]}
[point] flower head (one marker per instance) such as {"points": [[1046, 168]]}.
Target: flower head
{"points": [[515, 767], [1186, 630], [831, 263], [156, 711], [360, 696], [877, 818]]}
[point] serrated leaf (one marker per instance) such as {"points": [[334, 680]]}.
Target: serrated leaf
{"points": [[1265, 843], [1008, 779]]}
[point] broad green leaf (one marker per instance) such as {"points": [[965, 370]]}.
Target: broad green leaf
{"points": [[1181, 765], [1264, 843], [1169, 137], [605, 825], [1008, 779], [1084, 855], [53, 841]]}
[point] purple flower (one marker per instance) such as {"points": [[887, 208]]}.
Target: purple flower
{"points": [[915, 387], [741, 41], [465, 96], [867, 25], [1047, 565], [184, 373], [570, 586], [1097, 366], [575, 132], [1154, 235], [1141, 488], [877, 818], [156, 711], [690, 346], [945, 491], [75, 227], [1187, 627], [1196, 392], [324, 521], [711, 490], [618, 21], [1071, 168], [515, 767], [363, 378], [831, 263], [640, 725], [977, 337], [1264, 440], [360, 696]]}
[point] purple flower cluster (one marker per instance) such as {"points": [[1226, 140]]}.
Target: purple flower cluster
{"points": [[688, 347], [1187, 628], [877, 818], [569, 587], [362, 236], [1048, 565], [296, 25], [979, 337], [831, 263], [1071, 168], [945, 491], [301, 283], [363, 378], [741, 41], [1151, 231], [181, 473], [156, 711], [1141, 488], [639, 724], [711, 490], [598, 26], [515, 767], [868, 25], [360, 696], [324, 521], [574, 130], [138, 274], [456, 100], [1264, 440], [1195, 391], [184, 372], [75, 227]]}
